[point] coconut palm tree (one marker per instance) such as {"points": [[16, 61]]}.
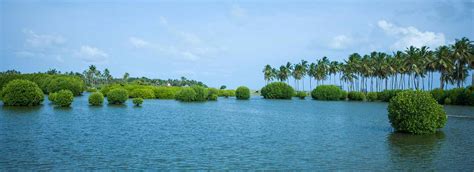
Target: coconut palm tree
{"points": [[461, 55], [443, 64], [311, 73], [304, 70], [267, 73]]}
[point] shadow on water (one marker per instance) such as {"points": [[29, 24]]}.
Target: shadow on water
{"points": [[121, 106], [411, 152]]}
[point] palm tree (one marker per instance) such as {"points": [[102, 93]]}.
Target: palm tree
{"points": [[298, 72], [125, 77], [267, 73], [304, 70], [283, 73], [443, 63], [289, 69], [311, 73], [461, 55]]}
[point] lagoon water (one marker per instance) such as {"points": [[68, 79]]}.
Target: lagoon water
{"points": [[228, 134]]}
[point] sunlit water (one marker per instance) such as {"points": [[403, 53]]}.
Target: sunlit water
{"points": [[228, 134]]}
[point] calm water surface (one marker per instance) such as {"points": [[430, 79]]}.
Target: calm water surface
{"points": [[228, 134]]}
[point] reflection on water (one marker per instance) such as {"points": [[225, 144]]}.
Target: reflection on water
{"points": [[410, 152], [21, 110]]}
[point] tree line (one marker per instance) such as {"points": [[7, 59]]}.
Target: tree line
{"points": [[377, 71]]}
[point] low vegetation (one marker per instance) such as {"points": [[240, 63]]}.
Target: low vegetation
{"points": [[277, 90], [242, 93], [301, 94], [327, 92], [21, 93], [96, 99], [187, 94], [416, 112], [62, 98], [117, 96], [356, 96], [137, 101]]}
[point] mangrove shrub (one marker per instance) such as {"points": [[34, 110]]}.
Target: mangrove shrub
{"points": [[73, 84], [137, 101], [201, 93], [144, 93], [63, 98], [327, 92], [21, 93], [187, 94], [356, 96], [117, 96], [96, 99], [372, 96], [301, 94], [242, 93], [166, 92], [416, 112], [277, 90]]}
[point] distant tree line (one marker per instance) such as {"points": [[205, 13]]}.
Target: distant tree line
{"points": [[377, 71]]}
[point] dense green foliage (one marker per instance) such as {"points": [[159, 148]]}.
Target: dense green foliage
{"points": [[166, 92], [21, 93], [386, 95], [73, 84], [327, 92], [117, 96], [137, 101], [226, 93], [144, 93], [63, 98], [242, 93], [91, 90], [343, 95], [201, 93], [52, 96], [301, 94], [413, 66], [96, 99], [277, 90], [187, 94], [372, 96], [212, 97], [356, 96], [212, 94], [416, 112], [456, 96], [41, 79]]}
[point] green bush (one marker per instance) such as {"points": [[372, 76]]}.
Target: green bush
{"points": [[212, 97], [63, 98], [447, 101], [21, 93], [52, 96], [372, 96], [301, 94], [144, 93], [327, 92], [416, 112], [187, 94], [201, 93], [458, 96], [277, 90], [242, 93], [356, 96], [75, 85], [386, 95], [343, 95], [96, 99], [439, 95], [226, 93], [117, 96], [166, 92], [137, 101]]}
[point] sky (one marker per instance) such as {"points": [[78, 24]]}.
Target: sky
{"points": [[217, 42]]}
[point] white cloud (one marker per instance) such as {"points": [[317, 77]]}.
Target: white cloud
{"points": [[340, 42], [188, 45], [407, 36], [42, 40], [238, 12], [138, 42], [92, 54]]}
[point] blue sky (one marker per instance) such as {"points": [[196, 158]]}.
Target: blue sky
{"points": [[217, 42]]}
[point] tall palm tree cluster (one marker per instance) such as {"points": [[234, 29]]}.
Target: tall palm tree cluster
{"points": [[94, 77], [413, 68]]}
